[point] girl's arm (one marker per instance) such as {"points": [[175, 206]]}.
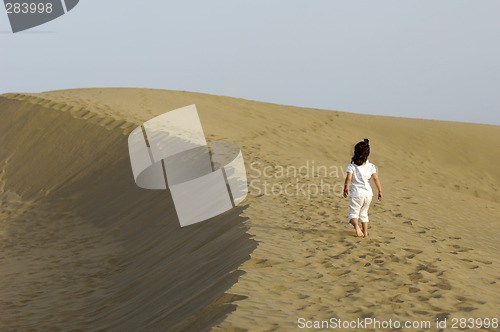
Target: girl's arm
{"points": [[379, 187], [347, 182]]}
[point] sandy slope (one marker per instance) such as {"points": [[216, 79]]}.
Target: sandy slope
{"points": [[432, 250]]}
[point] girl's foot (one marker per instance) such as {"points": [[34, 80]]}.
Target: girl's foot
{"points": [[359, 233], [365, 229]]}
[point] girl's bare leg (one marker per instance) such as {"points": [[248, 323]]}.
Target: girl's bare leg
{"points": [[354, 222], [365, 228]]}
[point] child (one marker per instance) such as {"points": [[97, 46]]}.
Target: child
{"points": [[359, 172]]}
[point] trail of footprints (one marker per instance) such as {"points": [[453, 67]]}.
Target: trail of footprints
{"points": [[350, 272], [357, 264]]}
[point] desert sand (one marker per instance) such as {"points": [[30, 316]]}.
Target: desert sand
{"points": [[83, 248]]}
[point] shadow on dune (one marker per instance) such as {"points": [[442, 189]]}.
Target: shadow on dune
{"points": [[168, 278]]}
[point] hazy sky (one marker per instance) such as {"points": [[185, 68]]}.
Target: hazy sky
{"points": [[421, 58]]}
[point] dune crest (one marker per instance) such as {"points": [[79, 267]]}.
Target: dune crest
{"points": [[83, 247]]}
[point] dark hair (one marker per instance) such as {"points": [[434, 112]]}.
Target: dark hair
{"points": [[361, 152]]}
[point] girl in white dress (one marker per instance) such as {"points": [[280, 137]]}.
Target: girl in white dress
{"points": [[359, 173]]}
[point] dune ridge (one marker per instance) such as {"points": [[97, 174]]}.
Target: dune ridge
{"points": [[433, 247], [83, 247]]}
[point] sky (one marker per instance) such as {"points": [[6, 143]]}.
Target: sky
{"points": [[414, 58]]}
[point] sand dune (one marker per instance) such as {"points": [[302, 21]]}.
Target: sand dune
{"points": [[82, 247]]}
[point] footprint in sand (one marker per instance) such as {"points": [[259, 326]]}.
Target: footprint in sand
{"points": [[415, 276], [427, 267], [345, 272], [460, 248], [412, 252], [444, 285], [394, 258]]}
